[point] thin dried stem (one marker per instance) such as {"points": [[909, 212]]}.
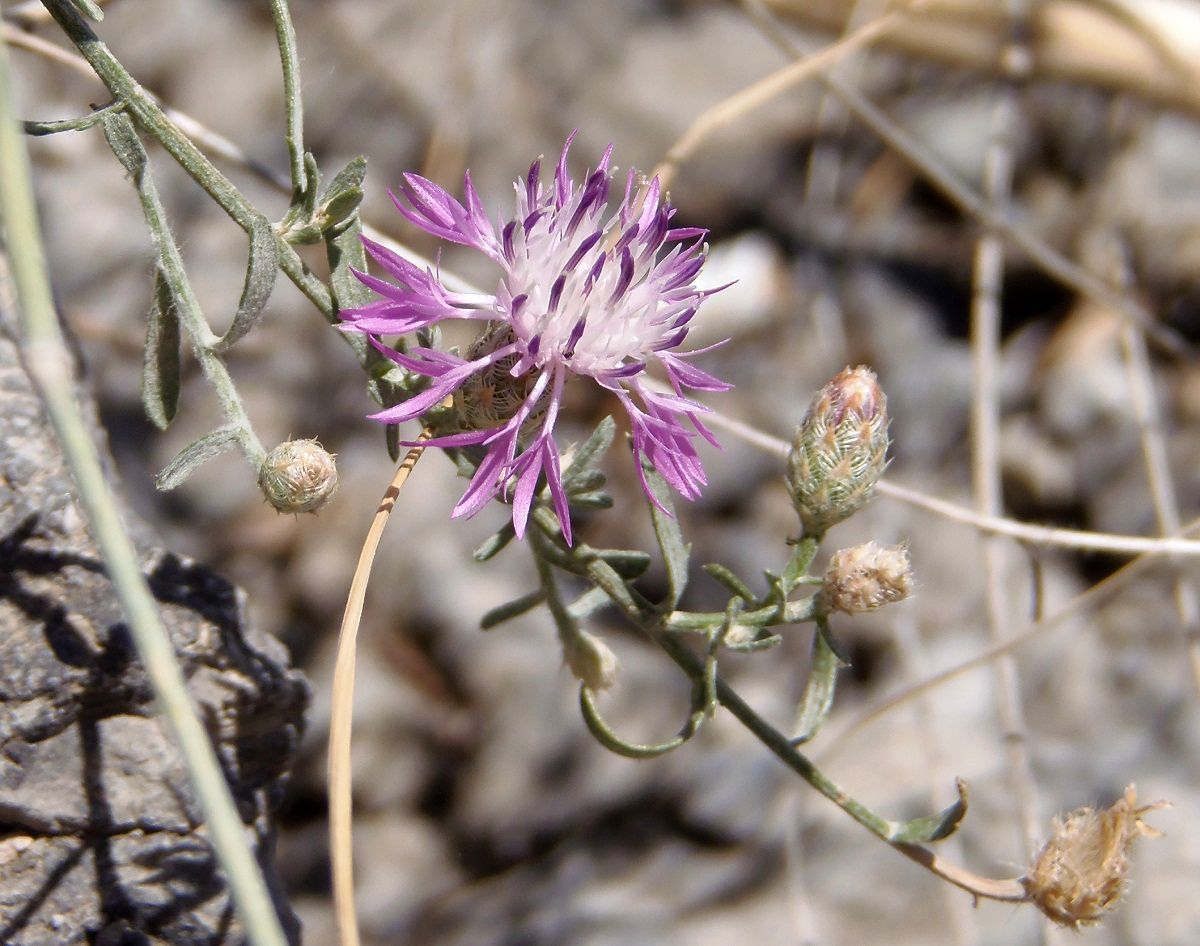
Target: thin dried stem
{"points": [[1111, 44], [1090, 599], [341, 799], [985, 318], [1158, 473], [738, 105], [1025, 532], [953, 188]]}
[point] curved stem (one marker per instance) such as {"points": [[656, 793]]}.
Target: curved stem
{"points": [[341, 800], [150, 116], [653, 624]]}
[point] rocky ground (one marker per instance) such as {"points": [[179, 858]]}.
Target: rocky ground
{"points": [[484, 811]]}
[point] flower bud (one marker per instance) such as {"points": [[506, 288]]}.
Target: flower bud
{"points": [[1080, 873], [839, 451], [866, 577], [298, 476], [591, 660]]}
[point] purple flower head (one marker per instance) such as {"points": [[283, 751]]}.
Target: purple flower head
{"points": [[583, 291]]}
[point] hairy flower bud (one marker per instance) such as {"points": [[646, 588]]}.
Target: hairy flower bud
{"points": [[866, 577], [839, 451], [298, 476], [1080, 873], [591, 660]]}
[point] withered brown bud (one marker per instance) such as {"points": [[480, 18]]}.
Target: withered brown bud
{"points": [[1080, 873], [298, 476], [866, 577], [839, 451]]}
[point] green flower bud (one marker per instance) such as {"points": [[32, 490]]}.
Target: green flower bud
{"points": [[839, 451], [298, 476]]}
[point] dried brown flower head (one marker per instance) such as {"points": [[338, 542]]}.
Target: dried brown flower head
{"points": [[1080, 873], [866, 577]]}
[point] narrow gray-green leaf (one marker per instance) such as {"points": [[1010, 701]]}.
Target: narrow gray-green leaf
{"points": [[351, 176], [161, 358], [587, 481], [675, 551], [118, 129], [495, 543], [511, 609], [343, 194], [343, 247], [194, 454], [588, 603], [818, 691], [262, 266], [591, 501], [591, 451], [934, 827], [82, 123], [628, 563], [89, 9], [730, 580], [391, 439], [796, 569]]}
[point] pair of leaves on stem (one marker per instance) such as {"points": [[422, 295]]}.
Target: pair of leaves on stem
{"points": [[174, 308]]}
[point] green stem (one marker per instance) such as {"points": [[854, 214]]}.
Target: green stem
{"points": [[790, 612], [150, 116], [603, 576], [49, 366], [285, 34], [129, 151]]}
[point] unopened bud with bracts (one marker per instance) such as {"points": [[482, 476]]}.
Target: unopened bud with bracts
{"points": [[298, 476], [1080, 873], [865, 577], [591, 660], [839, 451]]}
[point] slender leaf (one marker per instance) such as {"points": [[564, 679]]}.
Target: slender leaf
{"points": [[391, 439], [817, 699], [934, 827], [90, 9], [592, 501], [588, 481], [589, 453], [588, 603], [495, 543], [511, 609], [262, 266], [194, 454], [161, 357], [628, 563], [731, 581], [352, 175], [675, 551], [118, 129], [343, 195], [343, 247]]}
